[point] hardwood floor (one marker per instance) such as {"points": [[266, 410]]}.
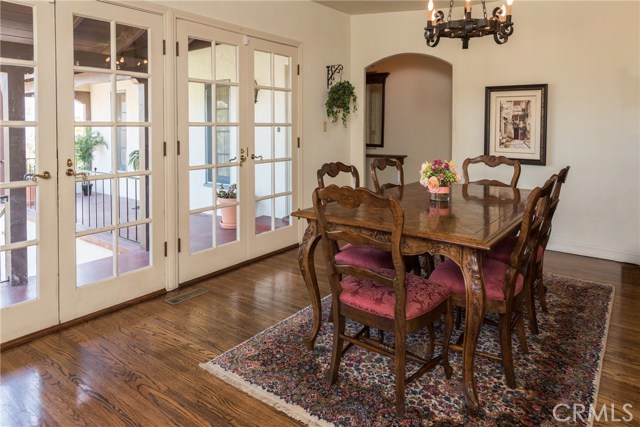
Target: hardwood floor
{"points": [[139, 366]]}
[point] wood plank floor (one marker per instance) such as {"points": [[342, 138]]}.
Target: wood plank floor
{"points": [[139, 366]]}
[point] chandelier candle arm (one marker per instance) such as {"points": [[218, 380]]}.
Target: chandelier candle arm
{"points": [[499, 24]]}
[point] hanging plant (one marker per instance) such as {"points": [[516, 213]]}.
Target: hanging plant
{"points": [[339, 101]]}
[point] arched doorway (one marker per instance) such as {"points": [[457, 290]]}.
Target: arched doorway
{"points": [[417, 111]]}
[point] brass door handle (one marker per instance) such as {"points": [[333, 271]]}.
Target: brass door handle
{"points": [[34, 176], [71, 172], [254, 157]]}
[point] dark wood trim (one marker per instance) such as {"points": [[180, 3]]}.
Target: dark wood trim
{"points": [[236, 266], [55, 328], [378, 78]]}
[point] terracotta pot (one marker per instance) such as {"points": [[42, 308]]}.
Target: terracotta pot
{"points": [[228, 214]]}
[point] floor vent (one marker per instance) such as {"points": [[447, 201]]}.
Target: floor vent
{"points": [[185, 296]]}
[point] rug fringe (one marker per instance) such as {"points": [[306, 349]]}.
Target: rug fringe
{"points": [[294, 411], [596, 380]]}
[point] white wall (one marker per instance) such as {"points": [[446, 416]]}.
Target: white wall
{"points": [[417, 111], [593, 110]]}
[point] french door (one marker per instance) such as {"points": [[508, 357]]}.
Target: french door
{"points": [[28, 190], [81, 162], [110, 155], [237, 164]]}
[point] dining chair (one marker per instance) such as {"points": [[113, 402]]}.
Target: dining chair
{"points": [[503, 251], [503, 284], [380, 164], [385, 299], [361, 255], [333, 169], [492, 162]]}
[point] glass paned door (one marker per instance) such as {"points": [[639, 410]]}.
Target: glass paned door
{"points": [[211, 155], [110, 77], [237, 119], [273, 158], [28, 212]]}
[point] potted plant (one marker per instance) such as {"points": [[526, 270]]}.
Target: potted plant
{"points": [[228, 196], [85, 145], [339, 101], [134, 159]]}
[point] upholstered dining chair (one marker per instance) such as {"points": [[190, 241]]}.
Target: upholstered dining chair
{"points": [[492, 162], [361, 255], [503, 252], [380, 164], [386, 299], [503, 283]]}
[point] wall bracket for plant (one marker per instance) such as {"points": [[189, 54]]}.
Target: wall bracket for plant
{"points": [[331, 72]]}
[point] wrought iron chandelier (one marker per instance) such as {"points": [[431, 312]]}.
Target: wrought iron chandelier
{"points": [[499, 24]]}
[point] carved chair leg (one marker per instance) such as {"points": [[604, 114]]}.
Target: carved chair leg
{"points": [[432, 341], [400, 356], [336, 356], [506, 349], [458, 317], [522, 335], [380, 335], [530, 300], [541, 290], [448, 329]]}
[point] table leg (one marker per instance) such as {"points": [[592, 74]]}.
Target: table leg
{"points": [[474, 286], [306, 252]]}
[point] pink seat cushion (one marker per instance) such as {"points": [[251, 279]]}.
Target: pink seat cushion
{"points": [[364, 256], [503, 251], [448, 273], [368, 295]]}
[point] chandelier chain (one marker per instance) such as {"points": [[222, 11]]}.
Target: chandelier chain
{"points": [[484, 9], [450, 9]]}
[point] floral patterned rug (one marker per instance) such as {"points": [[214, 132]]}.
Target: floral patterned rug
{"points": [[562, 367]]}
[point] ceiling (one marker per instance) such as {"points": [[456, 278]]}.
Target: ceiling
{"points": [[362, 7]]}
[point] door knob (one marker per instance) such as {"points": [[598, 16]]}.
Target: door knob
{"points": [[254, 157], [34, 176]]}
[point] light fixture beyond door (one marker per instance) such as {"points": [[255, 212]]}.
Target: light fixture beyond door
{"points": [[499, 24]]}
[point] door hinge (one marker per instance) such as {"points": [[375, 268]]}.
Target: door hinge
{"points": [[298, 142], [166, 249], [298, 69], [164, 148], [178, 148], [164, 47], [177, 49], [179, 245]]}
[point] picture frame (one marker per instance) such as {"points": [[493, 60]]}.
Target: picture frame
{"points": [[516, 122]]}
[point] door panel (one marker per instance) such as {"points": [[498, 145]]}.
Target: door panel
{"points": [[110, 137], [209, 130], [28, 211], [274, 164]]}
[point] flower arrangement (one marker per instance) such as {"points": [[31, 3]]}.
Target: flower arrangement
{"points": [[231, 192], [440, 173]]}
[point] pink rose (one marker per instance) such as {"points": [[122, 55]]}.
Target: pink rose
{"points": [[433, 184]]}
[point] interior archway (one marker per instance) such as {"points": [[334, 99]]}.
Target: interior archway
{"points": [[417, 112]]}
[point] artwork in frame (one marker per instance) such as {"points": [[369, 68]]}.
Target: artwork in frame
{"points": [[516, 122]]}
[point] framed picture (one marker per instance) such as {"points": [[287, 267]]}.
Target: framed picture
{"points": [[516, 123]]}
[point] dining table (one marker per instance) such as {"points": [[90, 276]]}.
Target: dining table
{"points": [[474, 220]]}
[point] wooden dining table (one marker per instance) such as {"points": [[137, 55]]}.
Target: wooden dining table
{"points": [[475, 220]]}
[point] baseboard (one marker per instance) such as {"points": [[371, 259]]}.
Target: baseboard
{"points": [[594, 251]]}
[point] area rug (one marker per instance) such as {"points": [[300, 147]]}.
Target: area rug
{"points": [[562, 368]]}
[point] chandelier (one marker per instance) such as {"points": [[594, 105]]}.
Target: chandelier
{"points": [[499, 24]]}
